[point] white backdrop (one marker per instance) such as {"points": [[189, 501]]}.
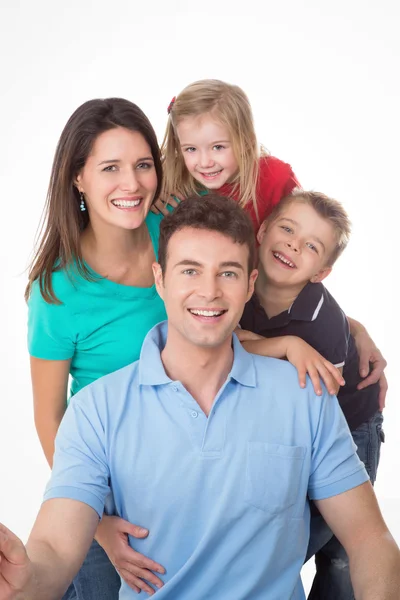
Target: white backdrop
{"points": [[323, 79]]}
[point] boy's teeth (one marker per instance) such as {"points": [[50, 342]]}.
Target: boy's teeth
{"points": [[126, 203], [283, 259], [207, 313]]}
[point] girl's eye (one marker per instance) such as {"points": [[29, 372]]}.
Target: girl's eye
{"points": [[229, 274], [190, 149], [218, 147], [110, 168], [312, 247], [286, 228]]}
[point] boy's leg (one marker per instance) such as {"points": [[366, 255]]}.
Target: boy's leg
{"points": [[332, 580]]}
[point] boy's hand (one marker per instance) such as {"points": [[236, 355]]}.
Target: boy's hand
{"points": [[309, 361], [160, 205], [133, 567], [15, 567]]}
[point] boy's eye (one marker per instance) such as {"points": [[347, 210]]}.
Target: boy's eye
{"points": [[286, 228], [110, 168], [312, 247]]}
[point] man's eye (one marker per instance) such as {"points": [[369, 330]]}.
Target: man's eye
{"points": [[189, 272], [229, 274]]}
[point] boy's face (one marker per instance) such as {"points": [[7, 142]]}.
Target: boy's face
{"points": [[205, 286], [295, 248]]}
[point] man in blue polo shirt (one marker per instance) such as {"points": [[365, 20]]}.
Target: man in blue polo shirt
{"points": [[213, 449]]}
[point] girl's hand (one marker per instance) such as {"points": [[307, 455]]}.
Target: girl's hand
{"points": [[133, 567], [160, 205]]}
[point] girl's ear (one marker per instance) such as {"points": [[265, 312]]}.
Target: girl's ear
{"points": [[261, 232]]}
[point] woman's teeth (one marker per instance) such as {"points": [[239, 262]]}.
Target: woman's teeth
{"points": [[126, 203]]}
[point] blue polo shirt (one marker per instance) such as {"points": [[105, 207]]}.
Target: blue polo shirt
{"points": [[224, 497]]}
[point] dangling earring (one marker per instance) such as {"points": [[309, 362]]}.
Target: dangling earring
{"points": [[82, 205]]}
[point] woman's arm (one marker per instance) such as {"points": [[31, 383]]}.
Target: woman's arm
{"points": [[49, 385]]}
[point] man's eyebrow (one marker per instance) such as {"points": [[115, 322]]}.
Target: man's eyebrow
{"points": [[314, 237], [195, 263], [117, 160]]}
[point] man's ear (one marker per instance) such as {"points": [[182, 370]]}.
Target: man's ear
{"points": [[320, 276], [158, 279], [252, 279], [261, 232]]}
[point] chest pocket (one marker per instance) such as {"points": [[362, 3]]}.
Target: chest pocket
{"points": [[273, 476]]}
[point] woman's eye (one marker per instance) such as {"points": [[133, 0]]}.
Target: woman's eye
{"points": [[145, 165], [110, 168]]}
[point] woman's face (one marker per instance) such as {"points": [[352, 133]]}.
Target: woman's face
{"points": [[119, 179]]}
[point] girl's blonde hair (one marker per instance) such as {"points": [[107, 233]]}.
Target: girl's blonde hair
{"points": [[229, 105]]}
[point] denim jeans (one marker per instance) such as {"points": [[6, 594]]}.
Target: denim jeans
{"points": [[97, 578], [332, 579]]}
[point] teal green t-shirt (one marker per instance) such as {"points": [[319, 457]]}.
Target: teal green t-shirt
{"points": [[100, 325]]}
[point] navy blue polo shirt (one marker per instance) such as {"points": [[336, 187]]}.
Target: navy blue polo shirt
{"points": [[316, 317]]}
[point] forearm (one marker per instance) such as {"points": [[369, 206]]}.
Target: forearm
{"points": [[355, 327], [50, 576], [273, 347], [47, 430], [375, 570]]}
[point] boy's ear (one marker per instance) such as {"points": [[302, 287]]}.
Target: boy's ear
{"points": [[320, 276], [158, 279], [261, 232]]}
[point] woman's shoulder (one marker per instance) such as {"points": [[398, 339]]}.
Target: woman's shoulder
{"points": [[65, 282]]}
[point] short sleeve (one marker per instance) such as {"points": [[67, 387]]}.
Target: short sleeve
{"points": [[80, 467], [335, 346], [49, 328], [335, 466]]}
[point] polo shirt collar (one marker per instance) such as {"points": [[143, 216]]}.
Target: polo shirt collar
{"points": [[308, 303], [151, 368]]}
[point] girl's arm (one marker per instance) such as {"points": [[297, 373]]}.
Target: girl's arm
{"points": [[49, 385], [372, 363], [300, 354]]}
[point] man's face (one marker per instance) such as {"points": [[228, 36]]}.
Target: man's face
{"points": [[205, 285], [295, 248]]}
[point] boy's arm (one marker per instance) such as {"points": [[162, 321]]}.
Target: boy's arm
{"points": [[300, 354], [56, 548], [355, 519], [369, 355]]}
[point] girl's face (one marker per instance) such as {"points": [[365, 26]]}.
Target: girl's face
{"points": [[119, 179], [207, 150]]}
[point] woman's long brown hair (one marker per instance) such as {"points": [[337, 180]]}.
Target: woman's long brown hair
{"points": [[63, 221]]}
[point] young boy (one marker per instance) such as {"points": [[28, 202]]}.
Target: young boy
{"points": [[299, 243]]}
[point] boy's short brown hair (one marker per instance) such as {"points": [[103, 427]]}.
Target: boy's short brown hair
{"points": [[329, 209], [211, 212]]}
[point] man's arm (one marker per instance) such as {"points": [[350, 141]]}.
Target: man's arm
{"points": [[374, 556], [57, 546]]}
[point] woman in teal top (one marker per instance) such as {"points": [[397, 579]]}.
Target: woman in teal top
{"points": [[91, 292]]}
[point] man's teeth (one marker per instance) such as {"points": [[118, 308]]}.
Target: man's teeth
{"points": [[126, 203], [284, 260], [206, 313]]}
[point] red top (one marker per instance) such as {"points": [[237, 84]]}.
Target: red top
{"points": [[276, 180]]}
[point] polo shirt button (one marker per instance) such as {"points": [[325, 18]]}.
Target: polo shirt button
{"points": [[175, 388], [194, 414]]}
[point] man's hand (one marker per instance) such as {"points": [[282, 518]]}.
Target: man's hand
{"points": [[372, 364], [15, 567], [134, 568]]}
